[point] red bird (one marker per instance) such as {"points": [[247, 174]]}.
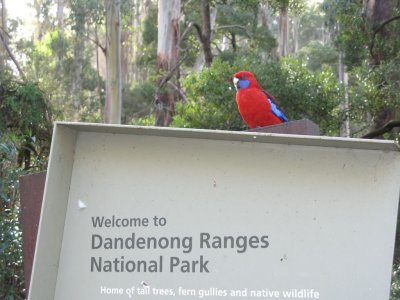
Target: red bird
{"points": [[256, 106]]}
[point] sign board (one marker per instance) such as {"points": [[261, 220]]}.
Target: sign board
{"points": [[157, 213]]}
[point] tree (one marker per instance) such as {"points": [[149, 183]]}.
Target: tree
{"points": [[379, 13], [42, 17], [205, 32], [5, 50], [113, 57], [368, 37], [3, 33], [283, 40], [344, 104], [283, 7], [60, 14], [79, 13], [167, 58]]}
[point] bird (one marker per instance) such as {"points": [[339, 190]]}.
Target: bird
{"points": [[257, 106]]}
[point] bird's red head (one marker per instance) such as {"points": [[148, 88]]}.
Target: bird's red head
{"points": [[245, 79]]}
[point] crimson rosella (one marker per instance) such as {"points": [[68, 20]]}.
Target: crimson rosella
{"points": [[256, 106]]}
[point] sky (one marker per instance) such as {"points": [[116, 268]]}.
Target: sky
{"points": [[21, 9]]}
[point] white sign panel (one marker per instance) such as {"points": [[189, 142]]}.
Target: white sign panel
{"points": [[145, 213]]}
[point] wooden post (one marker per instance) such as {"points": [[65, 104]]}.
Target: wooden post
{"points": [[31, 190], [301, 127]]}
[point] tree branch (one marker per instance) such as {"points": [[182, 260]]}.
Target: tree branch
{"points": [[199, 32], [188, 28], [97, 43], [180, 91], [171, 72], [12, 56], [385, 128], [383, 24], [6, 33], [216, 47], [233, 26], [377, 30]]}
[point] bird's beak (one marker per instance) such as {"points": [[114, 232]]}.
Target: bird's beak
{"points": [[236, 83]]}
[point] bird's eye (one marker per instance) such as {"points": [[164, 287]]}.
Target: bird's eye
{"points": [[243, 77]]}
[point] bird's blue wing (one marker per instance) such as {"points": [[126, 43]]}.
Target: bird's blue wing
{"points": [[277, 112], [274, 104]]}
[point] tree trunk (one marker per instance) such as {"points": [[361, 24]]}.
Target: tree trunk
{"points": [[38, 22], [295, 34], [344, 104], [233, 42], [283, 31], [79, 47], [60, 25], [99, 79], [263, 14], [127, 33], [5, 51], [137, 37], [60, 14], [126, 50], [79, 28], [205, 35], [141, 12], [167, 57], [10, 54], [113, 105], [3, 29], [378, 11], [206, 32], [77, 76]]}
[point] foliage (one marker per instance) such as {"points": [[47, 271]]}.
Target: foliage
{"points": [[138, 101], [25, 112], [211, 102], [317, 55], [21, 105], [313, 94], [371, 51], [347, 21], [236, 24], [89, 11], [148, 50], [395, 288], [11, 256], [52, 67], [368, 95], [240, 26], [294, 5], [313, 26]]}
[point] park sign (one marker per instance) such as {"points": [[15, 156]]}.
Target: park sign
{"points": [[161, 213]]}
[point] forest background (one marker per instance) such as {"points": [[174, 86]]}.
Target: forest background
{"points": [[170, 63]]}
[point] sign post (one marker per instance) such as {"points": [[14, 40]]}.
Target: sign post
{"points": [[146, 213]]}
